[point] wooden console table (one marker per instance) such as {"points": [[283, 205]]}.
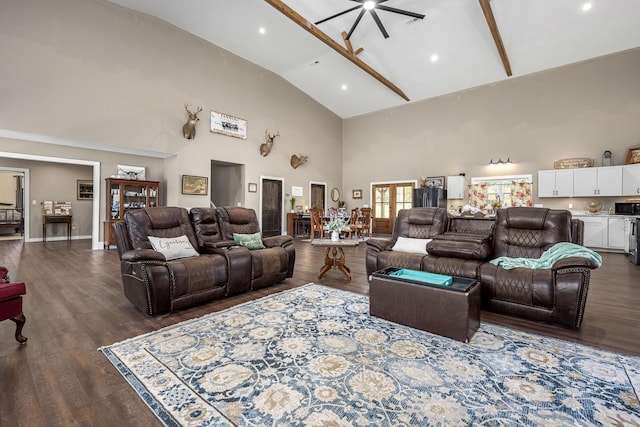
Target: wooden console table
{"points": [[56, 219]]}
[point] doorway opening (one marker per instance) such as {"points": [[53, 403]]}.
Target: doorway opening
{"points": [[388, 198], [12, 218], [226, 184], [271, 205]]}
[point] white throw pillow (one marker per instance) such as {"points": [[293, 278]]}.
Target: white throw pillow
{"points": [[414, 246], [173, 247]]}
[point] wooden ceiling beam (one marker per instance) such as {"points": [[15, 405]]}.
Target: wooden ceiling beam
{"points": [[493, 27], [320, 35]]}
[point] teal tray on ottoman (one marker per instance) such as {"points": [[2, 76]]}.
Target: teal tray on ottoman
{"points": [[413, 299]]}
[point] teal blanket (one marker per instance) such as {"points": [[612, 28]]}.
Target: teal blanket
{"points": [[554, 253]]}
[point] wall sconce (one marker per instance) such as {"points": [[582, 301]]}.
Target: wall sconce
{"points": [[500, 162]]}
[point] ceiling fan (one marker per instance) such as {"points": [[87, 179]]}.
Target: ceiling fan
{"points": [[371, 6]]}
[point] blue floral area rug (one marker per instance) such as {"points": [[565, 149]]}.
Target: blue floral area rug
{"points": [[313, 356]]}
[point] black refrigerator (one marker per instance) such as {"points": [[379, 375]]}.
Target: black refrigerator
{"points": [[429, 197]]}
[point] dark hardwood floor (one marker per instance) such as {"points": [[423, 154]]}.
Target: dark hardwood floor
{"points": [[75, 305]]}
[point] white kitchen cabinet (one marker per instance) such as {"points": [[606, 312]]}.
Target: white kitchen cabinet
{"points": [[555, 183], [616, 233], [595, 231], [603, 181], [605, 231], [631, 180], [456, 187]]}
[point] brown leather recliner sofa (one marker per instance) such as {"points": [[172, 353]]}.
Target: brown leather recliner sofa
{"points": [[156, 286], [463, 247]]}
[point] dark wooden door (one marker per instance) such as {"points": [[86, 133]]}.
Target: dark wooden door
{"points": [[317, 196], [388, 199], [271, 207]]}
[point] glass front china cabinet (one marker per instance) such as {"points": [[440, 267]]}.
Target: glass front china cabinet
{"points": [[124, 195]]}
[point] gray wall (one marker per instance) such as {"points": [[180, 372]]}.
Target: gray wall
{"points": [[579, 110], [91, 73]]}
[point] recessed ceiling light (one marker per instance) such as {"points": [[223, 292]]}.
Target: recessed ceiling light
{"points": [[434, 57], [344, 87], [587, 6], [262, 30], [370, 4]]}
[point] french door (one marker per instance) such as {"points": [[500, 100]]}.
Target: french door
{"points": [[388, 199]]}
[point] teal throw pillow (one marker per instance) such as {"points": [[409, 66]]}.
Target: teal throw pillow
{"points": [[249, 241]]}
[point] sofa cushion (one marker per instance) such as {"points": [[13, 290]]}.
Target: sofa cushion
{"points": [[414, 246], [173, 247], [249, 241]]}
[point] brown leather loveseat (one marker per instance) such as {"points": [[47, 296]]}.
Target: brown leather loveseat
{"points": [[219, 267], [464, 246]]}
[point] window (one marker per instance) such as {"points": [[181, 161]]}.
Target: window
{"points": [[487, 193]]}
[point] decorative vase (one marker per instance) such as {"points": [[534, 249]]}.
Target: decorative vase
{"points": [[335, 236]]}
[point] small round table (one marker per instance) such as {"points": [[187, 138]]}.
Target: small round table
{"points": [[334, 257]]}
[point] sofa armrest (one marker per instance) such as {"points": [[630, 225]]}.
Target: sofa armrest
{"points": [[138, 255], [215, 247], [461, 245], [574, 262], [379, 245], [277, 241]]}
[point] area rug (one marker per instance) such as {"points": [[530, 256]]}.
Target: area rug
{"points": [[313, 356]]}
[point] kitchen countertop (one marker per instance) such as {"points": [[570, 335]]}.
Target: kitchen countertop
{"points": [[602, 214]]}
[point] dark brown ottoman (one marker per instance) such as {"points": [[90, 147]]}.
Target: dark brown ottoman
{"points": [[451, 311]]}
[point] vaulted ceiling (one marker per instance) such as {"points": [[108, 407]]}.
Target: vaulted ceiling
{"points": [[451, 49]]}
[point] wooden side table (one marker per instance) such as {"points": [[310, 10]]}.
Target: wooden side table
{"points": [[56, 219], [334, 257]]}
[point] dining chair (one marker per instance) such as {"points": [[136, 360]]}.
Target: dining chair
{"points": [[366, 222], [316, 223], [354, 223]]}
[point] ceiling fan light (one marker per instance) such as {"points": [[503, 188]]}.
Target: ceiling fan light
{"points": [[369, 4]]}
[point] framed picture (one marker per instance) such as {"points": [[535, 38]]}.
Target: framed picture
{"points": [[84, 190], [228, 125], [253, 187], [197, 185], [435, 181], [356, 194], [633, 155]]}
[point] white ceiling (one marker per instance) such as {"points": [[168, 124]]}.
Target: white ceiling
{"points": [[537, 35]]}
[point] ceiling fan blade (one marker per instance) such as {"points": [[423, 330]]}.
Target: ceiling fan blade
{"points": [[337, 14], [377, 19], [355, 24], [401, 12]]}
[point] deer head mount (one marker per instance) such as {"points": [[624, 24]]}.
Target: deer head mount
{"points": [[189, 128], [298, 160], [265, 148]]}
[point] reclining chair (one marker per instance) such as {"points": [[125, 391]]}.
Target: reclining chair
{"points": [[270, 265], [554, 295], [417, 223], [11, 303], [151, 282]]}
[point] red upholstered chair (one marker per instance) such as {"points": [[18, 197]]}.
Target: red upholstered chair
{"points": [[11, 303]]}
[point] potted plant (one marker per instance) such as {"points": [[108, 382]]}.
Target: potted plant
{"points": [[336, 226], [293, 204]]}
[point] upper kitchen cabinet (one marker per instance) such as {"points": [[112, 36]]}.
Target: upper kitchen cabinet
{"points": [[631, 180], [555, 183], [602, 181]]}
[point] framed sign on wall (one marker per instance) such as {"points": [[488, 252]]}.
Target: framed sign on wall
{"points": [[228, 125]]}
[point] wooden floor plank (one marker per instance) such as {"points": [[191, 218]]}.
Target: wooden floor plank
{"points": [[74, 305]]}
